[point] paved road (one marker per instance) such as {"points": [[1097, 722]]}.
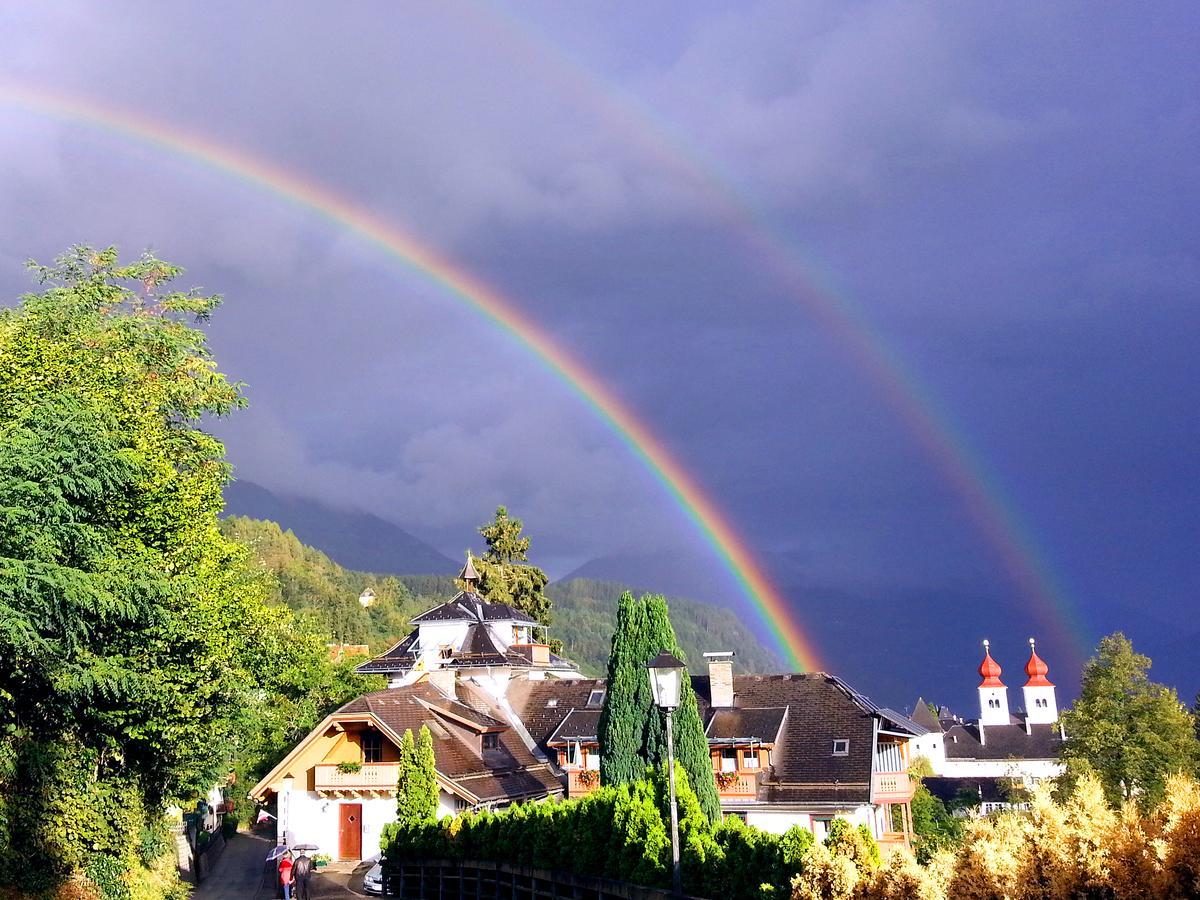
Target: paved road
{"points": [[239, 875]]}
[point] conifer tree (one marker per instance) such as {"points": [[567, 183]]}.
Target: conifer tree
{"points": [[405, 801], [424, 788], [691, 746], [627, 701]]}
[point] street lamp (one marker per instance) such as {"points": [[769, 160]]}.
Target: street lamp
{"points": [[666, 678]]}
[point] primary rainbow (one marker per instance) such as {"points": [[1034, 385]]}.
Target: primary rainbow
{"points": [[963, 468], [729, 547]]}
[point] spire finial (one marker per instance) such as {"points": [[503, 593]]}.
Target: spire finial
{"points": [[1032, 644], [986, 645]]}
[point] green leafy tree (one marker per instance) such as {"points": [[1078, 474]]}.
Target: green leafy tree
{"points": [[406, 802], [1131, 732], [133, 634]]}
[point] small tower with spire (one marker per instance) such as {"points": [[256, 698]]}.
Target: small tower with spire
{"points": [[993, 695], [469, 576], [1041, 707]]}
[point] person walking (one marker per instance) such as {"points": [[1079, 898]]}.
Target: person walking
{"points": [[301, 870], [285, 874]]}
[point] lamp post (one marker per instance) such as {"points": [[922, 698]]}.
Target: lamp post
{"points": [[666, 678]]}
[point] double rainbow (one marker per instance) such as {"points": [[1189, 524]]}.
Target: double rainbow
{"points": [[307, 194]]}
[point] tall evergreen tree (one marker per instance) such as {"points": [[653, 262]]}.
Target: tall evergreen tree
{"points": [[505, 575], [691, 746], [622, 727], [406, 804], [424, 776], [416, 779], [632, 731], [1132, 732]]}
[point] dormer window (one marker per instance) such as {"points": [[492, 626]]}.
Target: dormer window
{"points": [[491, 741], [596, 698], [841, 748]]}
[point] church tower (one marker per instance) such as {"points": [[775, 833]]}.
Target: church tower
{"points": [[993, 695], [1041, 708]]}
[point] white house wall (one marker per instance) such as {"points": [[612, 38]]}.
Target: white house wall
{"points": [[1031, 769]]}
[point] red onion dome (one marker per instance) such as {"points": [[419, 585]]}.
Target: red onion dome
{"points": [[989, 669], [1036, 669]]}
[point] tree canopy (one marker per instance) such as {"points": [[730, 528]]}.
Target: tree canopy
{"points": [[1131, 732], [133, 635]]}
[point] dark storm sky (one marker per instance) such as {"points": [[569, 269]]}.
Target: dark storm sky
{"points": [[1007, 194]]}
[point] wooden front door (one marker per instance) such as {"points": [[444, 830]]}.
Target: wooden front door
{"points": [[350, 830]]}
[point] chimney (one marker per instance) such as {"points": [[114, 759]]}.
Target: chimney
{"points": [[443, 680], [720, 677]]}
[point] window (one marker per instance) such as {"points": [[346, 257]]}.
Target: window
{"points": [[596, 698], [729, 760], [821, 828], [592, 758], [573, 754], [841, 748], [750, 760], [551, 703], [491, 741], [372, 747]]}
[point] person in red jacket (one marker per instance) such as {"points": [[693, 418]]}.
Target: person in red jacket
{"points": [[285, 874]]}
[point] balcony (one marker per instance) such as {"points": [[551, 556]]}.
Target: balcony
{"points": [[893, 840], [737, 784], [372, 778], [892, 787], [576, 787]]}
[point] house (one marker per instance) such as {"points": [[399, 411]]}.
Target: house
{"points": [[999, 744], [795, 749], [479, 640], [513, 721], [337, 787]]}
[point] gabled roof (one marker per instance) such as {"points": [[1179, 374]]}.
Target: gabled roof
{"points": [[897, 722], [470, 607], [508, 773], [1003, 742]]}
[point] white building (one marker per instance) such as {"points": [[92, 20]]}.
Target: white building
{"points": [[998, 745]]}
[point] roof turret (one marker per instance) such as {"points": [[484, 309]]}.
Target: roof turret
{"points": [[989, 669], [1036, 669]]}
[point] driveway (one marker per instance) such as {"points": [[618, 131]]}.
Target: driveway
{"points": [[243, 874]]}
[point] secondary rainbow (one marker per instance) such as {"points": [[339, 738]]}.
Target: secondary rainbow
{"points": [[700, 510], [962, 467]]}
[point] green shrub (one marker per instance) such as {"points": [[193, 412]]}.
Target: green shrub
{"points": [[108, 874], [229, 826]]}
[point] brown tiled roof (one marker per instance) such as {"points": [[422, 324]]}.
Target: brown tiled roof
{"points": [[508, 773], [742, 725], [531, 701], [803, 713], [820, 710], [1003, 742]]}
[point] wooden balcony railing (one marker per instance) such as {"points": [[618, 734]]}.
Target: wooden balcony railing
{"points": [[373, 777], [892, 787], [739, 785], [576, 788], [894, 840]]}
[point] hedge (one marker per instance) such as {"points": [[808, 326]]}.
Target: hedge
{"points": [[621, 833]]}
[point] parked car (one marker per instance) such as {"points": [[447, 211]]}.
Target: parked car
{"points": [[373, 880]]}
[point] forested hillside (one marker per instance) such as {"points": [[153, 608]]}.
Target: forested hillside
{"points": [[584, 612]]}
